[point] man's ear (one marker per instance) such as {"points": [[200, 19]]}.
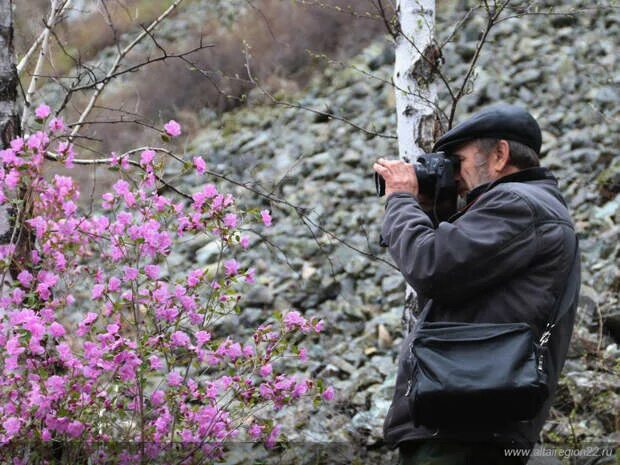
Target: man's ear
{"points": [[501, 155]]}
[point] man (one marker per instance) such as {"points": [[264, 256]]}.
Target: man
{"points": [[503, 258]]}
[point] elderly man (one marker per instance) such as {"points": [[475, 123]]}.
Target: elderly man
{"points": [[503, 258]]}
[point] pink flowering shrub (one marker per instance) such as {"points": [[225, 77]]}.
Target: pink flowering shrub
{"points": [[138, 361]]}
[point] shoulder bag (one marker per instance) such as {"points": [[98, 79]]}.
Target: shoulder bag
{"points": [[481, 373]]}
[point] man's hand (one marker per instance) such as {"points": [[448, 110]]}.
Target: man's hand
{"points": [[399, 176]]}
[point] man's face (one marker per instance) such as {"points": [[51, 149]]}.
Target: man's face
{"points": [[475, 169]]}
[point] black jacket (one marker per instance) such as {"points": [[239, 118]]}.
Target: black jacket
{"points": [[504, 259]]}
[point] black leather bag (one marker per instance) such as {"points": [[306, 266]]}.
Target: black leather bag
{"points": [[468, 373]]}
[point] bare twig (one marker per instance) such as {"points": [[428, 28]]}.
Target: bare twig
{"points": [[119, 58], [388, 23], [40, 61], [492, 16], [22, 63], [134, 68], [110, 23], [277, 101], [348, 11], [458, 26], [265, 20]]}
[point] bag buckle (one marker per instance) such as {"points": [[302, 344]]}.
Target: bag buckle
{"points": [[546, 335], [409, 386]]}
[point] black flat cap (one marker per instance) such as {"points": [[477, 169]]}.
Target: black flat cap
{"points": [[499, 121]]}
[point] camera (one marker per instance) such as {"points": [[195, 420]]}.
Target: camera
{"points": [[435, 173]]}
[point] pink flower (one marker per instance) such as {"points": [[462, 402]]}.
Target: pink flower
{"points": [[194, 277], [156, 363], [8, 156], [319, 326], [266, 370], [108, 199], [270, 442], [179, 339], [114, 284], [173, 128], [294, 320], [56, 329], [303, 354], [75, 428], [12, 426], [57, 125], [24, 278], [39, 224], [249, 277], [265, 391], [130, 273], [121, 187], [42, 111], [146, 157], [17, 144], [209, 191], [113, 329], [248, 350], [174, 379], [299, 390], [230, 220], [90, 317], [255, 430], [245, 242], [232, 267], [97, 291], [18, 296], [157, 398], [152, 271], [200, 165], [328, 394], [11, 180], [202, 337], [13, 347], [266, 217]]}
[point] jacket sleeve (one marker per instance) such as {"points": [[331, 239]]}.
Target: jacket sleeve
{"points": [[493, 240]]}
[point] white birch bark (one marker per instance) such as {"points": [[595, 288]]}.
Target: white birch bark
{"points": [[416, 95], [9, 122]]}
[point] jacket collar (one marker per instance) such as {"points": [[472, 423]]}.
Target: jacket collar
{"points": [[525, 175]]}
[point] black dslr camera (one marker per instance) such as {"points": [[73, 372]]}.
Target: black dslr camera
{"points": [[435, 173]]}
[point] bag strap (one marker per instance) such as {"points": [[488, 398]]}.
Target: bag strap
{"points": [[564, 301]]}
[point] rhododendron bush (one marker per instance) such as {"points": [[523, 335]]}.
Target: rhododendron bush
{"points": [[136, 362]]}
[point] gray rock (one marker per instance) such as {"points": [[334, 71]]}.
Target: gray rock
{"points": [[526, 76], [208, 253], [393, 283], [259, 295]]}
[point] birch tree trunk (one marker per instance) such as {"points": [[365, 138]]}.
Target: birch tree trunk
{"points": [[416, 95], [9, 121]]}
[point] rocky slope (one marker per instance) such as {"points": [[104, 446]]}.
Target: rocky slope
{"points": [[560, 67]]}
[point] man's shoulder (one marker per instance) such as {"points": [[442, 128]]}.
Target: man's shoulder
{"points": [[543, 197]]}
